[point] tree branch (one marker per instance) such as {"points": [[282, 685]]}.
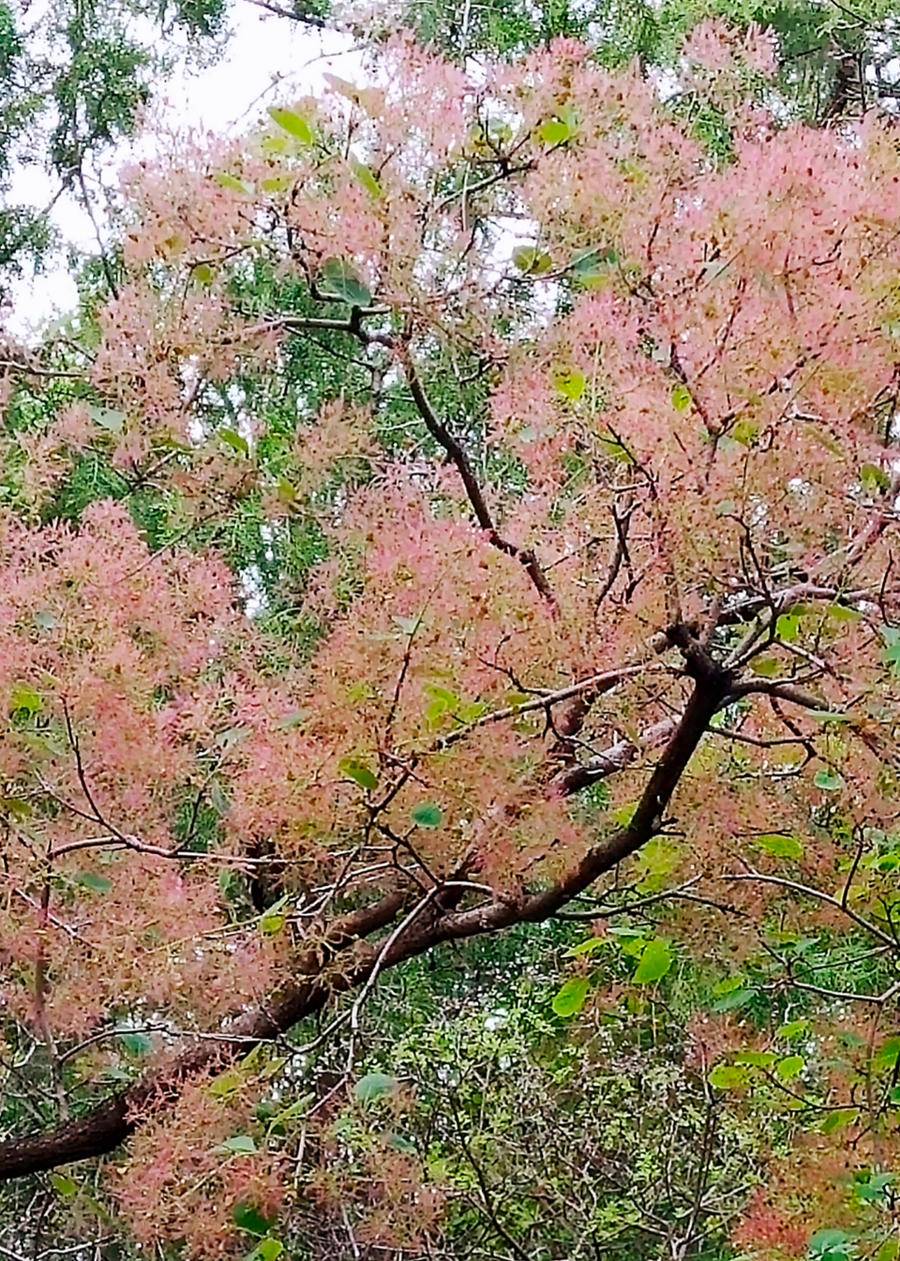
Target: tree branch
{"points": [[457, 455], [109, 1124]]}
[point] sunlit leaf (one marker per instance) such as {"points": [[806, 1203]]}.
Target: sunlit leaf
{"points": [[681, 398], [532, 261], [656, 960], [294, 124], [570, 999], [359, 771], [24, 699], [780, 845], [727, 1077]]}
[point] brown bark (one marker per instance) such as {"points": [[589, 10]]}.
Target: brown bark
{"points": [[343, 960]]}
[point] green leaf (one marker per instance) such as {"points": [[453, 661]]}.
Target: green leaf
{"points": [[843, 613], [587, 947], [570, 383], [15, 807], [92, 881], [592, 265], [558, 130], [224, 180], [428, 815], [887, 1055], [532, 261], [655, 962], [656, 862], [681, 398], [277, 183], [375, 1086], [65, 1187], [735, 999], [136, 1043], [624, 814], [294, 124], [249, 1218], [226, 1084], [368, 179], [726, 1077], [359, 771], [875, 480], [107, 418], [204, 274], [790, 1067], [729, 984], [239, 1145], [829, 781], [780, 845], [787, 627], [830, 1245], [235, 440], [272, 923], [441, 701], [793, 1030], [871, 1190], [554, 132], [266, 1250], [839, 1120], [891, 653], [24, 699], [765, 667], [339, 280], [570, 999], [745, 433], [756, 1059]]}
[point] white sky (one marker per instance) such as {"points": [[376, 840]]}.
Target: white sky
{"points": [[269, 60]]}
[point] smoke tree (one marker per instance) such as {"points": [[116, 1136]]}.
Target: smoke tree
{"points": [[474, 505]]}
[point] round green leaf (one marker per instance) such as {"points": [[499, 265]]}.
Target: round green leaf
{"points": [[570, 383], [655, 962], [829, 781], [428, 815], [532, 261]]}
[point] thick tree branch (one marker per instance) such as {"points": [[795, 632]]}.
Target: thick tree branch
{"points": [[111, 1123]]}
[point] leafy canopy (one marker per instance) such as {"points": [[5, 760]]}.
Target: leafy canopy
{"points": [[472, 506]]}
